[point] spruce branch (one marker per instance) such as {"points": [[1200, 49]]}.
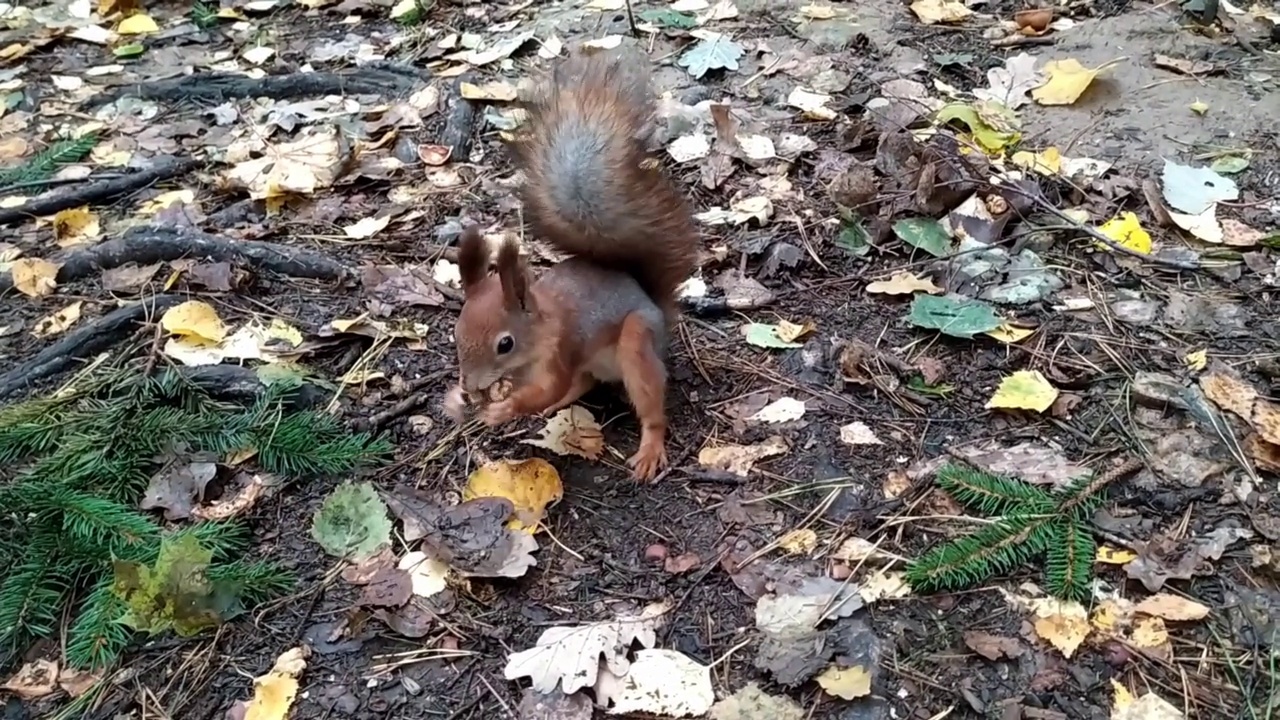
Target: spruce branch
{"points": [[1028, 523]]}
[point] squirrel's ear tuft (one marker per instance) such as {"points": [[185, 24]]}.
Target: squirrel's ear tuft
{"points": [[513, 276], [473, 258]]}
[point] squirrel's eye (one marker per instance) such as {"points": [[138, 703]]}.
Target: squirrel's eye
{"points": [[505, 344]]}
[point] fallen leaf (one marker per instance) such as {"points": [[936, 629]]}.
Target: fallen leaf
{"points": [[1063, 624], [138, 24], [799, 542], [530, 485], [76, 226], [752, 703], [957, 317], [659, 682], [33, 680], [768, 336], [1114, 556], [857, 433], [1067, 81], [1172, 607], [302, 166], [1147, 707], [34, 277], [1011, 82], [194, 319], [572, 431], [846, 683], [813, 104], [714, 51], [1024, 390], [570, 656], [1204, 226], [59, 321], [931, 12], [352, 522], [1127, 230], [1194, 190], [882, 585], [904, 283], [1010, 334], [491, 91], [273, 693], [390, 587], [166, 199], [739, 459], [367, 227], [428, 575], [993, 647], [779, 411]]}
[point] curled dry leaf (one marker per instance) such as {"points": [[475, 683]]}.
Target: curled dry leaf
{"points": [[33, 680], [779, 411], [1172, 607], [34, 277], [572, 431], [739, 459], [903, 283]]}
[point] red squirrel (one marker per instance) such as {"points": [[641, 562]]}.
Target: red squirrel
{"points": [[593, 192]]}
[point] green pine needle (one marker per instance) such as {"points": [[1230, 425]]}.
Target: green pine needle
{"points": [[46, 163], [1029, 523], [73, 469]]}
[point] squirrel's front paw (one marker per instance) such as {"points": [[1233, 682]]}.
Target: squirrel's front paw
{"points": [[499, 412], [455, 404]]}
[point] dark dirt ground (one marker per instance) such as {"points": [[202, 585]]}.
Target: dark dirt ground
{"points": [[605, 522]]}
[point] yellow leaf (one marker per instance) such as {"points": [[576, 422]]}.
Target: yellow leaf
{"points": [[846, 683], [1172, 607], [76, 226], [1126, 230], [1068, 80], [281, 330], [1010, 334], [1024, 390], [1150, 633], [273, 693], [231, 14], [1147, 707], [797, 542], [1108, 555], [59, 321], [739, 459], [572, 431], [790, 332], [1111, 616], [1123, 698], [531, 485], [1198, 107], [1196, 360], [34, 277], [165, 199], [903, 283], [140, 24], [1061, 623], [940, 11], [500, 91], [883, 585], [1047, 162], [194, 319]]}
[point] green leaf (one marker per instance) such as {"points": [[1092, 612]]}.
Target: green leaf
{"points": [[945, 59], [957, 318], [664, 17], [766, 336], [173, 594], [924, 233], [1229, 164], [715, 53], [980, 125], [130, 50], [854, 238], [352, 522]]}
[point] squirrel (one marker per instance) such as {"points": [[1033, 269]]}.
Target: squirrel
{"points": [[593, 192]]}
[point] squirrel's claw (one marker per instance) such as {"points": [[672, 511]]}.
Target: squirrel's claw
{"points": [[499, 413], [647, 462]]}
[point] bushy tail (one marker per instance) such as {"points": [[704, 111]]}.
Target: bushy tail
{"points": [[591, 188]]}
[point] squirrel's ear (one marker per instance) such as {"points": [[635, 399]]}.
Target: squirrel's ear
{"points": [[473, 258], [513, 275]]}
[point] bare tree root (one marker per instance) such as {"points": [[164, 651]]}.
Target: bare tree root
{"points": [[96, 191]]}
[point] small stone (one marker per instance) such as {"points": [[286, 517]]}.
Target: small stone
{"points": [[655, 553]]}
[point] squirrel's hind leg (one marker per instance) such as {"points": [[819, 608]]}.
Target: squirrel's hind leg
{"points": [[645, 379]]}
